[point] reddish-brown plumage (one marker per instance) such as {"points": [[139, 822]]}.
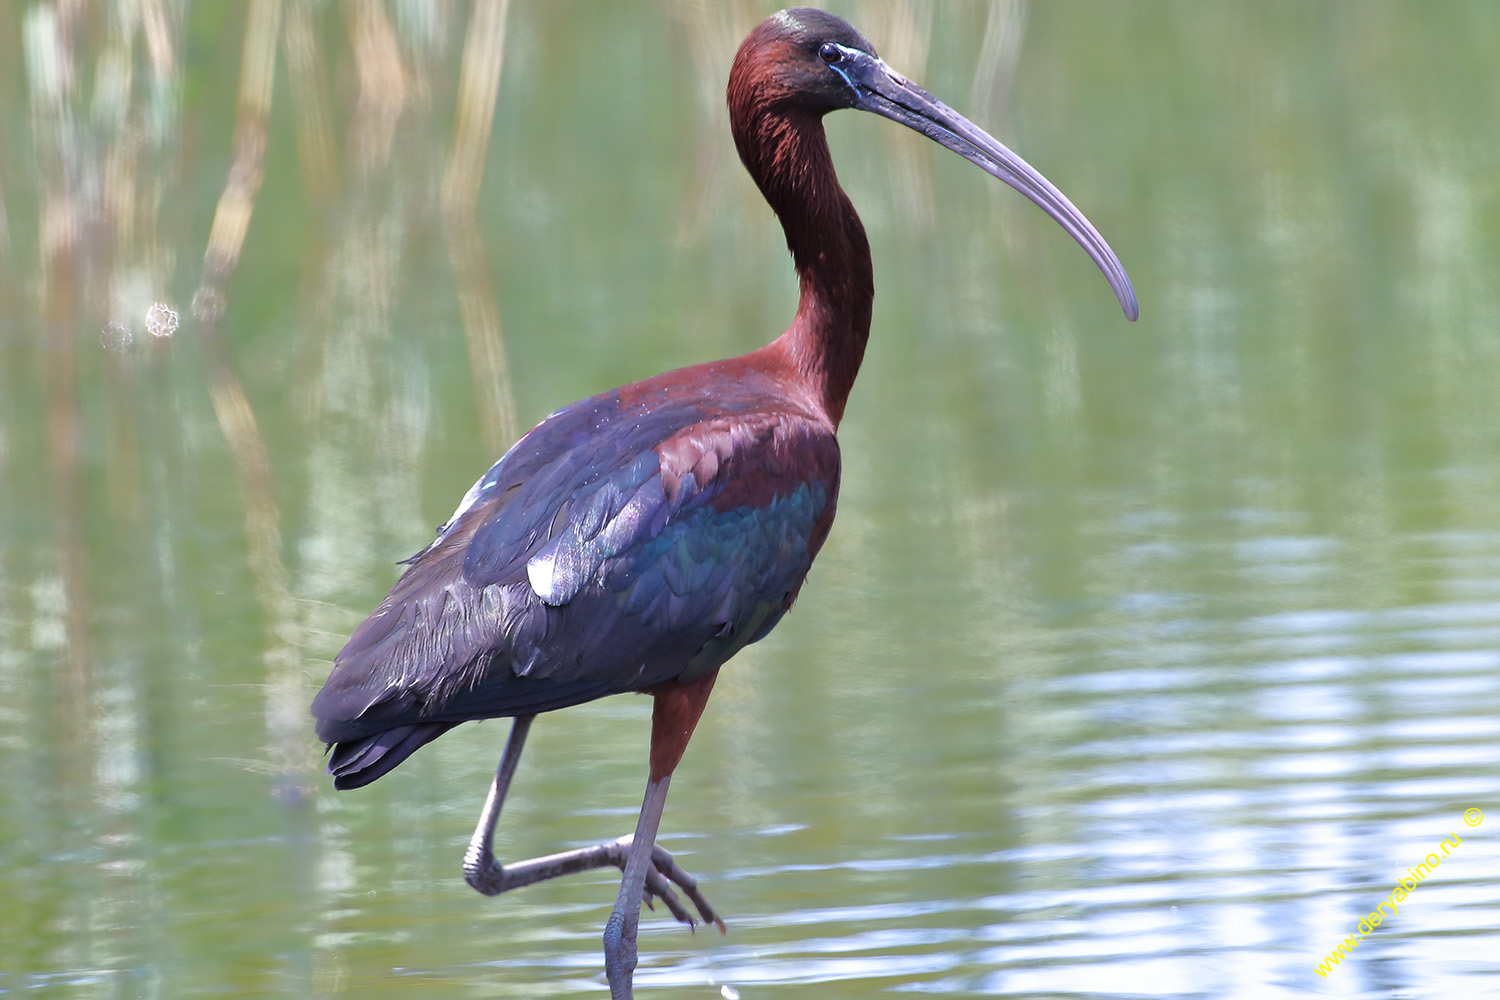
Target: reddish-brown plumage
{"points": [[674, 715], [781, 141]]}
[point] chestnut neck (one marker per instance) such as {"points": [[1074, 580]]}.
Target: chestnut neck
{"points": [[786, 152]]}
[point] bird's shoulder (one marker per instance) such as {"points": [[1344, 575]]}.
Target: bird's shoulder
{"points": [[611, 471], [626, 538]]}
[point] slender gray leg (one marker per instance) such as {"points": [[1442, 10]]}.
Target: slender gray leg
{"points": [[620, 932], [488, 876], [480, 869]]}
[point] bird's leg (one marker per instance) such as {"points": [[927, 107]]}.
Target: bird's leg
{"points": [[480, 868], [620, 932], [488, 876], [674, 715]]}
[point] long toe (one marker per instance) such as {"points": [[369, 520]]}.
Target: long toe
{"points": [[657, 887], [666, 868]]}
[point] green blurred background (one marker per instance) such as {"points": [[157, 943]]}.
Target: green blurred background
{"points": [[1142, 661]]}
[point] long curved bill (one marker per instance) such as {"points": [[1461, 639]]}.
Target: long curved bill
{"points": [[885, 92]]}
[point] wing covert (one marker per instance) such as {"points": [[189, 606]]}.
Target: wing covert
{"points": [[613, 548]]}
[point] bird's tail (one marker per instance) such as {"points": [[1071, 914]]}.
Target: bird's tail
{"points": [[358, 762]]}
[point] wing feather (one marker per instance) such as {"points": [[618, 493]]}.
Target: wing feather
{"points": [[615, 547]]}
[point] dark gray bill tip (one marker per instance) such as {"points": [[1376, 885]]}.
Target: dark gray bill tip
{"points": [[1125, 292], [886, 93]]}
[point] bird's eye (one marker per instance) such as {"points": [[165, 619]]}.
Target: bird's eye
{"points": [[830, 53]]}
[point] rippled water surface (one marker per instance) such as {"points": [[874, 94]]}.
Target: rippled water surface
{"points": [[1144, 660]]}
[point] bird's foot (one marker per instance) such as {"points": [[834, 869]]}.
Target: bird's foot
{"points": [[664, 873], [486, 875]]}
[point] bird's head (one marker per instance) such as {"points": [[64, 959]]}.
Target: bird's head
{"points": [[804, 62]]}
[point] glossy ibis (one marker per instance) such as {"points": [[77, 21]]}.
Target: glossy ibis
{"points": [[638, 539]]}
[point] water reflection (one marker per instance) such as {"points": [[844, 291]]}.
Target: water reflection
{"points": [[1141, 662]]}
